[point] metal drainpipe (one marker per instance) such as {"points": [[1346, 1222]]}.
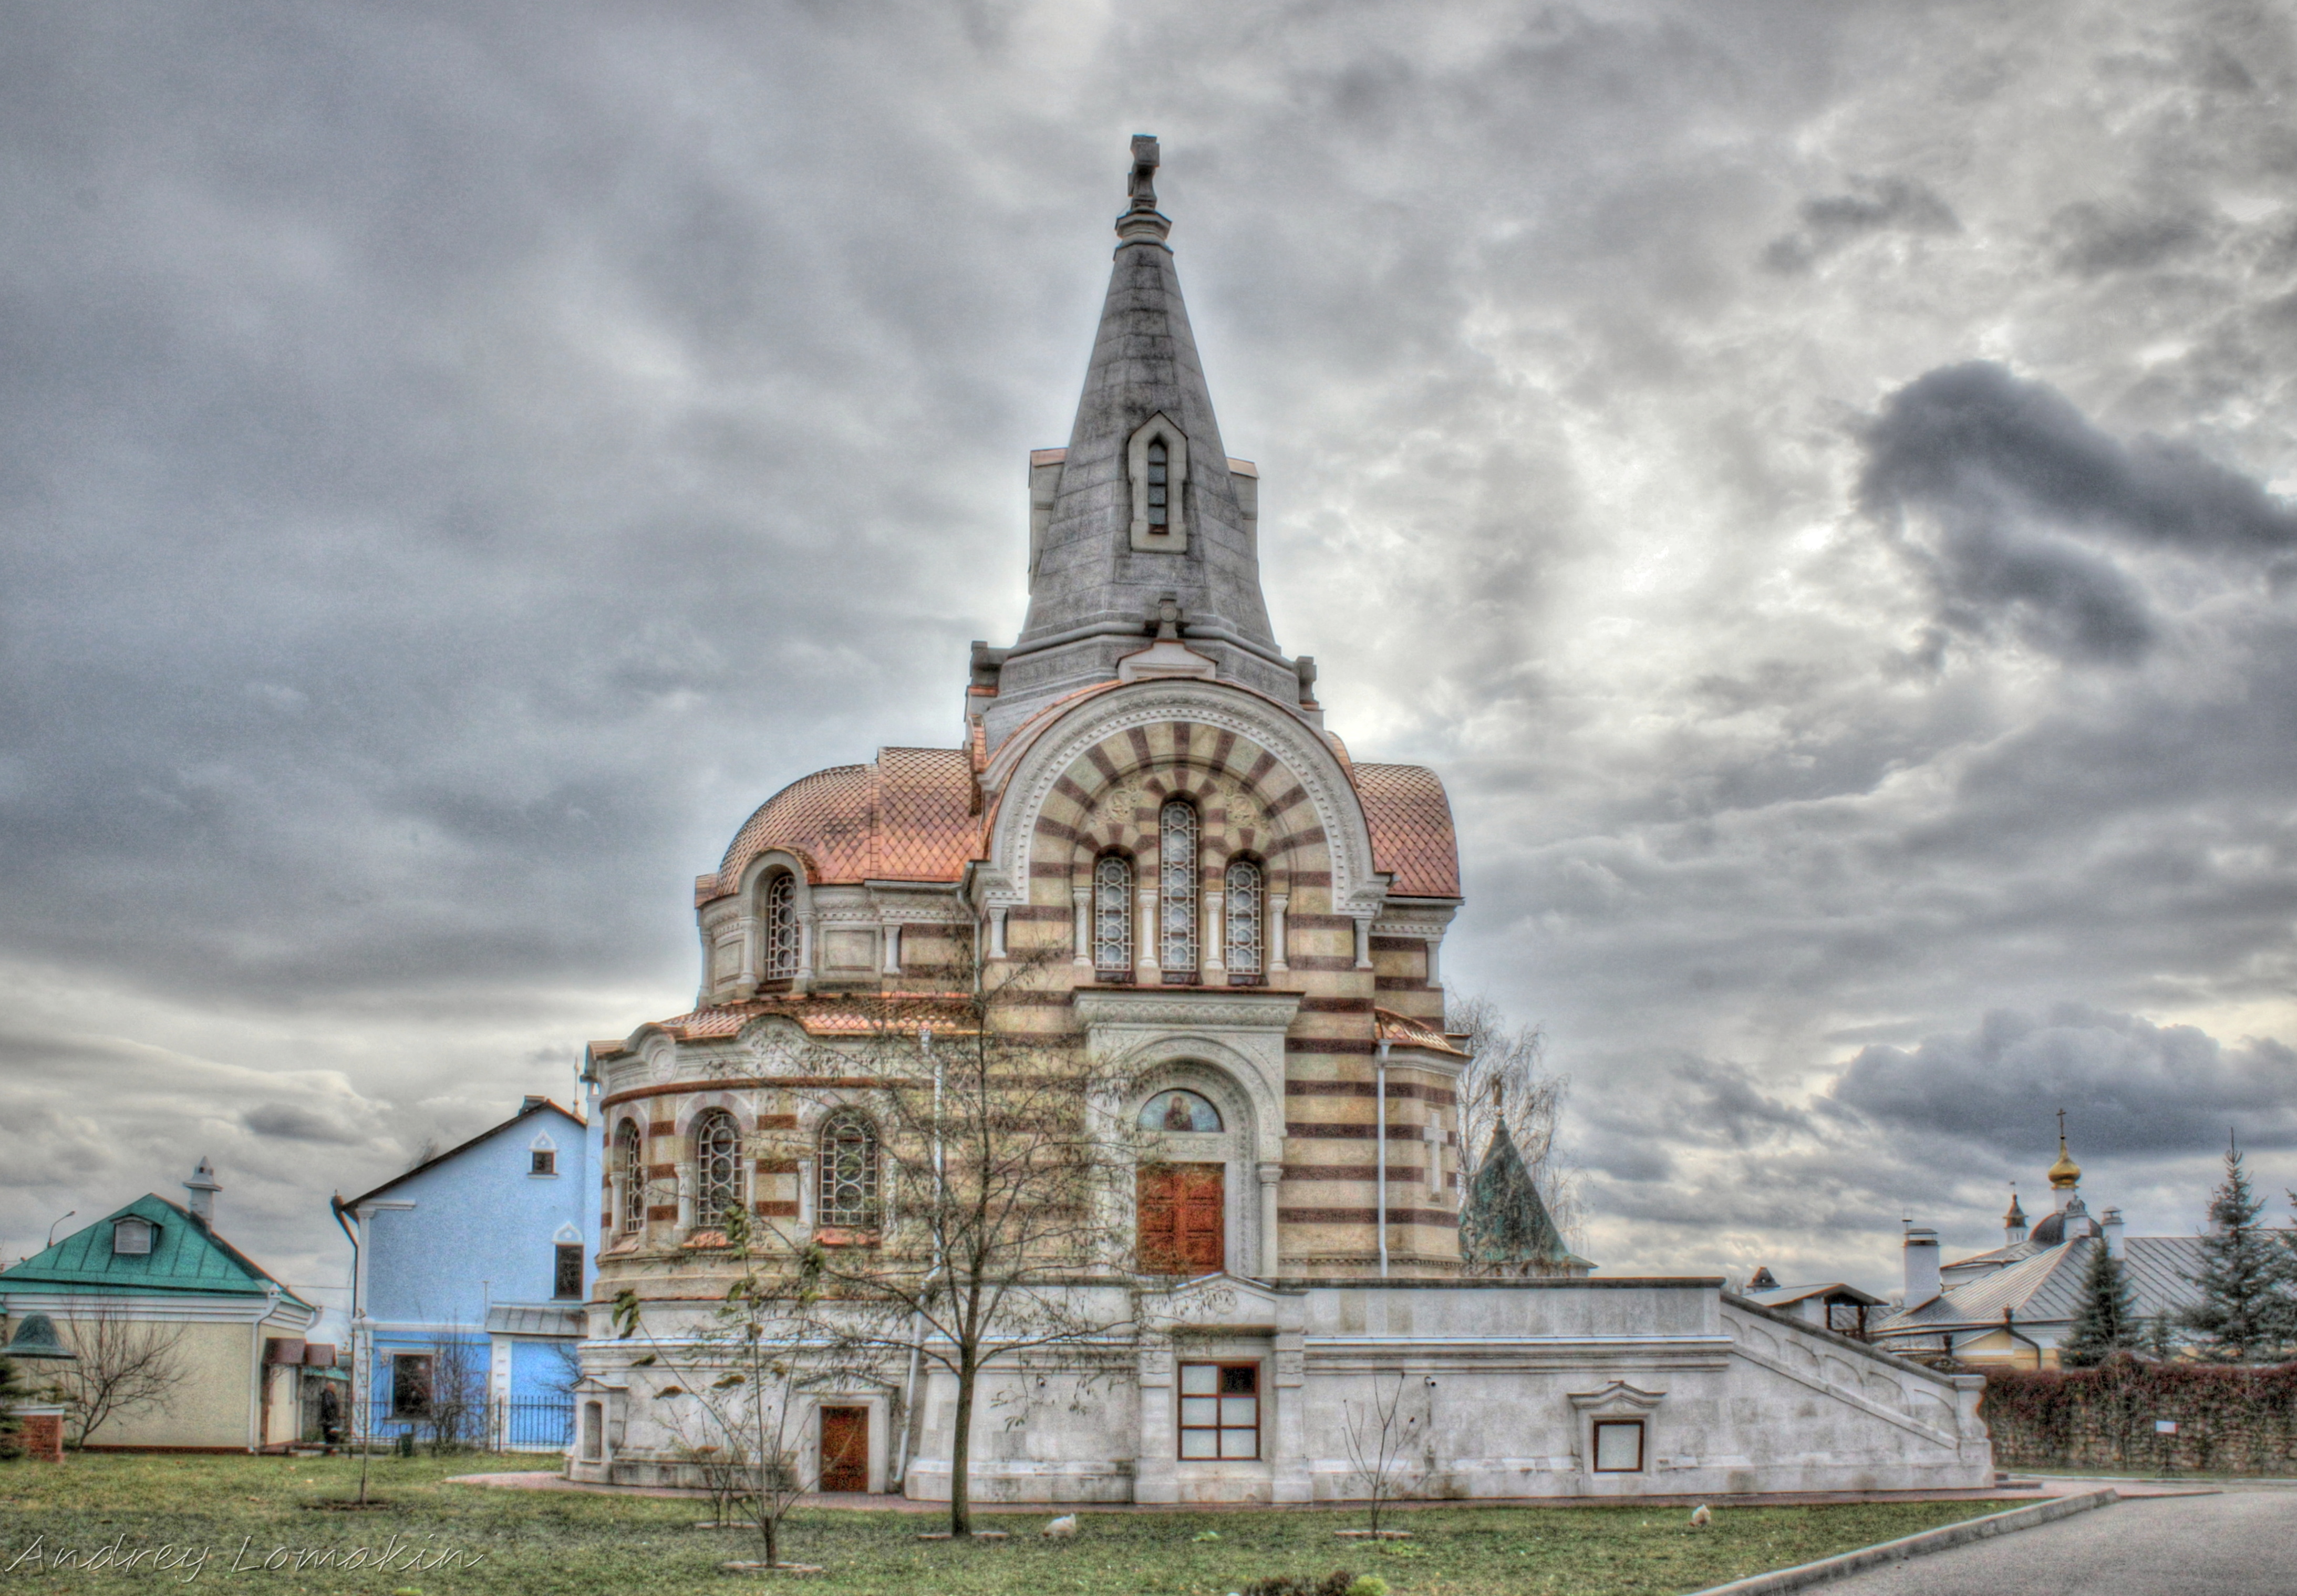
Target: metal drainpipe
{"points": [[1380, 1096], [917, 1319]]}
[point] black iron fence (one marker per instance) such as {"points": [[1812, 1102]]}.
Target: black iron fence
{"points": [[534, 1425]]}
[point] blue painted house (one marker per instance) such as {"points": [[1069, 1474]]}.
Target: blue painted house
{"points": [[468, 1285]]}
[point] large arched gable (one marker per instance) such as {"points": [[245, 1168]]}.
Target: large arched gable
{"points": [[1226, 732]]}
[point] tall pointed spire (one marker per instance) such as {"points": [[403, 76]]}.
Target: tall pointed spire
{"points": [[1144, 509]]}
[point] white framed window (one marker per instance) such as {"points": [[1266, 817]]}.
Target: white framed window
{"points": [[783, 939], [630, 1160], [1220, 1411], [1242, 908], [131, 1237], [1177, 833], [717, 1168], [1112, 916], [846, 1164], [1618, 1445]]}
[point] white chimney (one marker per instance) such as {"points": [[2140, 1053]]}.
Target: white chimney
{"points": [[1922, 1265], [203, 1186], [2112, 1225]]}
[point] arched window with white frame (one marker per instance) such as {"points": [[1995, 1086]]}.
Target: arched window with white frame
{"points": [[716, 1169], [1242, 908], [845, 1172], [1177, 832], [1112, 916], [629, 1164], [783, 941]]}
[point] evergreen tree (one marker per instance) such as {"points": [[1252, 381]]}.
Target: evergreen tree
{"points": [[2106, 1313], [2244, 1301], [12, 1391]]}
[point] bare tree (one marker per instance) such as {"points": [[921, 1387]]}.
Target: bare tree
{"points": [[454, 1416], [121, 1366], [1507, 1078], [1378, 1434], [734, 1402], [999, 1217]]}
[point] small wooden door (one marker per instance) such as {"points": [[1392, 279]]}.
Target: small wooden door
{"points": [[1183, 1219], [844, 1448]]}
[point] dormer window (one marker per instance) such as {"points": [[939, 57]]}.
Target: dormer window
{"points": [[131, 1237], [781, 928], [1159, 508], [1156, 460]]}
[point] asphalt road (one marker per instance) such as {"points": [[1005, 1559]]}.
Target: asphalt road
{"points": [[2241, 1544]]}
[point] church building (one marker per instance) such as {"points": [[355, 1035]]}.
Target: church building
{"points": [[1145, 807]]}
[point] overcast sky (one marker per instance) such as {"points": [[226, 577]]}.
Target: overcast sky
{"points": [[1812, 477]]}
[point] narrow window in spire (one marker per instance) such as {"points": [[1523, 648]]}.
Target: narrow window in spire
{"points": [[629, 1163], [1176, 889], [1243, 909], [1158, 510], [716, 1169], [1112, 917], [781, 927]]}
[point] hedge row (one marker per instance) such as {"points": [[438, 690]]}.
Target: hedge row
{"points": [[2230, 1420]]}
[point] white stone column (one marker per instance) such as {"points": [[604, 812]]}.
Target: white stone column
{"points": [[1363, 944], [892, 936], [1289, 1451], [1214, 935], [1271, 1175], [1145, 930], [753, 941], [1276, 903], [1157, 1470], [997, 932], [1081, 899], [804, 953], [685, 1196], [1435, 975]]}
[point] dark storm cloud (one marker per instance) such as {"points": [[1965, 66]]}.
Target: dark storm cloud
{"points": [[2020, 489], [2130, 1086], [1875, 205]]}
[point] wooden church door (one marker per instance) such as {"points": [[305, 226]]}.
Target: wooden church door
{"points": [[1183, 1219], [844, 1448]]}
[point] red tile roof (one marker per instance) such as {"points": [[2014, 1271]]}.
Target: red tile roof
{"points": [[824, 1013], [1411, 823], [905, 816]]}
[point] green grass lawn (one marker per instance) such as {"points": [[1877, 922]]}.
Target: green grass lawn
{"points": [[548, 1541]]}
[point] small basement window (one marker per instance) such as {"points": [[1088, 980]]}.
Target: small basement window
{"points": [[1618, 1445], [545, 1162], [567, 1286], [131, 1237], [1219, 1410]]}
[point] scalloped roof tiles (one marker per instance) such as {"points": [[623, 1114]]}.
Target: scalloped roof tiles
{"points": [[1411, 823], [905, 816]]}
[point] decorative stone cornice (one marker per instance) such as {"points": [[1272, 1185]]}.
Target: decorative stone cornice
{"points": [[1192, 1010]]}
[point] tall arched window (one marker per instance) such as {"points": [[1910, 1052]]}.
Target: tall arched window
{"points": [[716, 1169], [1112, 916], [1159, 488], [1176, 888], [845, 1160], [781, 927], [630, 1155], [1243, 912]]}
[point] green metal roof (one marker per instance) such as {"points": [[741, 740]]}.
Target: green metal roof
{"points": [[185, 1257]]}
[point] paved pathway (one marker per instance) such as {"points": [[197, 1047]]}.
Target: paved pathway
{"points": [[2241, 1542]]}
